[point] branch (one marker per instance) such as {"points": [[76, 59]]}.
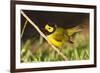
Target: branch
{"points": [[42, 34]]}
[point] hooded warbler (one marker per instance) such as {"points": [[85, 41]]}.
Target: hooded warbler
{"points": [[58, 35]]}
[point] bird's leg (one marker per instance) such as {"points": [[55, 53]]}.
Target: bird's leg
{"points": [[70, 40]]}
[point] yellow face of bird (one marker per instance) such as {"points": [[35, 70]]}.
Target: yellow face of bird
{"points": [[49, 28]]}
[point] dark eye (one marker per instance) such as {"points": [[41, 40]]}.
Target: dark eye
{"points": [[49, 28]]}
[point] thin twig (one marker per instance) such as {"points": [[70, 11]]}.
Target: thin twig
{"points": [[23, 28], [42, 34]]}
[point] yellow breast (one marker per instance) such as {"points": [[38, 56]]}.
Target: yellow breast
{"points": [[57, 38]]}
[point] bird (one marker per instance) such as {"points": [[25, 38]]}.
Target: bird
{"points": [[58, 35]]}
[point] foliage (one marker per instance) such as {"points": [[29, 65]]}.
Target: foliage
{"points": [[39, 50]]}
